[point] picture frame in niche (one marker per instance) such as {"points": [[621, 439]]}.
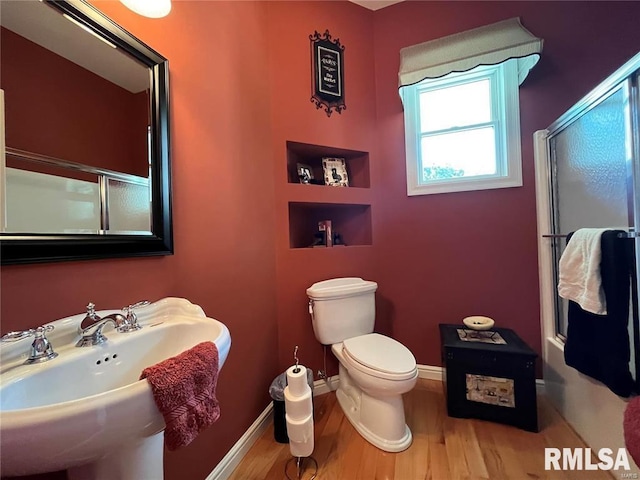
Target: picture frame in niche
{"points": [[327, 57], [305, 173], [335, 172]]}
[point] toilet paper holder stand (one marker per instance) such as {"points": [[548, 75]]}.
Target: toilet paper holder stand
{"points": [[295, 358], [300, 468], [299, 461]]}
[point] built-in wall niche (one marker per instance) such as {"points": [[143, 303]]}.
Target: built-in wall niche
{"points": [[357, 162], [351, 221]]}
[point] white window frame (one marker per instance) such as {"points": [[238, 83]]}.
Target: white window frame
{"points": [[505, 117]]}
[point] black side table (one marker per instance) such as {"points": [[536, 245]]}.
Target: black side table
{"points": [[489, 375]]}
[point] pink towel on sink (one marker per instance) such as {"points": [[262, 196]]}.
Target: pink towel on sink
{"points": [[184, 389]]}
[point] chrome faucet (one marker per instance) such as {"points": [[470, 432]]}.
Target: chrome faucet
{"points": [[92, 334], [41, 349], [91, 326]]}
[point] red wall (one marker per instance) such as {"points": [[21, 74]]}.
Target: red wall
{"points": [[295, 118], [224, 228], [436, 258], [443, 257], [73, 115], [240, 88]]}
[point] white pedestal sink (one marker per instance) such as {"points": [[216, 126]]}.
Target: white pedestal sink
{"points": [[86, 410]]}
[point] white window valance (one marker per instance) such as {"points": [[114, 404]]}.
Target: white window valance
{"points": [[487, 45]]}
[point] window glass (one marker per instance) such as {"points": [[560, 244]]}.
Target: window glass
{"points": [[465, 153], [455, 106], [462, 131]]}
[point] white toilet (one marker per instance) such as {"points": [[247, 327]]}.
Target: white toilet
{"points": [[374, 370]]}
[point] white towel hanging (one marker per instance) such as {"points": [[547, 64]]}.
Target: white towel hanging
{"points": [[579, 272]]}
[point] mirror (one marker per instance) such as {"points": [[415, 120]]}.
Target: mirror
{"points": [[86, 169]]}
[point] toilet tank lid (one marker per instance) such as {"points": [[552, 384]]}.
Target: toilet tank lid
{"points": [[340, 287], [380, 353]]}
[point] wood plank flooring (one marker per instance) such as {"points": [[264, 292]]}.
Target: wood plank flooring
{"points": [[443, 448]]}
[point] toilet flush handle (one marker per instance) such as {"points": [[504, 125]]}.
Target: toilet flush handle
{"points": [[311, 306]]}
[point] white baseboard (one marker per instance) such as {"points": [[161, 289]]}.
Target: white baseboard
{"points": [[325, 386], [232, 459], [429, 372]]}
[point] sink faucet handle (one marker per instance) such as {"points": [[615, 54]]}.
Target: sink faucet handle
{"points": [[41, 349], [128, 310], [131, 318], [140, 304], [45, 329], [19, 335], [40, 331]]}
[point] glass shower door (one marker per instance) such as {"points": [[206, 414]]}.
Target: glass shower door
{"points": [[590, 159]]}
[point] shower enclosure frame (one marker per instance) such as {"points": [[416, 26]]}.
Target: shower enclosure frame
{"points": [[585, 404], [625, 80]]}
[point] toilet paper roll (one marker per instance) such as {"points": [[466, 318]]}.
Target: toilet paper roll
{"points": [[297, 381], [300, 435], [299, 430], [298, 407], [301, 449]]}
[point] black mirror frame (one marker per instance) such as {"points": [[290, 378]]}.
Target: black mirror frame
{"points": [[43, 248]]}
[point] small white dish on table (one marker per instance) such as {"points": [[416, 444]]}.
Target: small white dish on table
{"points": [[478, 322]]}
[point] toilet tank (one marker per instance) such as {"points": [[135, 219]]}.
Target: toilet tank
{"points": [[342, 308]]}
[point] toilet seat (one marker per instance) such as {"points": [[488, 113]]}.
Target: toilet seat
{"points": [[380, 356]]}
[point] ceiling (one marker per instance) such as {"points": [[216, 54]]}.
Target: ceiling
{"points": [[375, 4]]}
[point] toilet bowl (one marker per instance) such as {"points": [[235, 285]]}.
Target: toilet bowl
{"points": [[374, 370], [370, 394]]}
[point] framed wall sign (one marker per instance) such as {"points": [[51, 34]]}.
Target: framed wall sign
{"points": [[327, 55]]}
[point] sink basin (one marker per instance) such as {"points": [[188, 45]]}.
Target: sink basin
{"points": [[86, 410]]}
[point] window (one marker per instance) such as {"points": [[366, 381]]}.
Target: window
{"points": [[461, 108], [462, 131]]}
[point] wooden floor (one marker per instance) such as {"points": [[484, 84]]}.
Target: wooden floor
{"points": [[443, 447]]}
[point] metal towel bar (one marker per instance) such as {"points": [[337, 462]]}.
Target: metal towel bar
{"points": [[631, 234]]}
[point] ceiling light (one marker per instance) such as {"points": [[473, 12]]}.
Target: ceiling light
{"points": [[149, 8]]}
